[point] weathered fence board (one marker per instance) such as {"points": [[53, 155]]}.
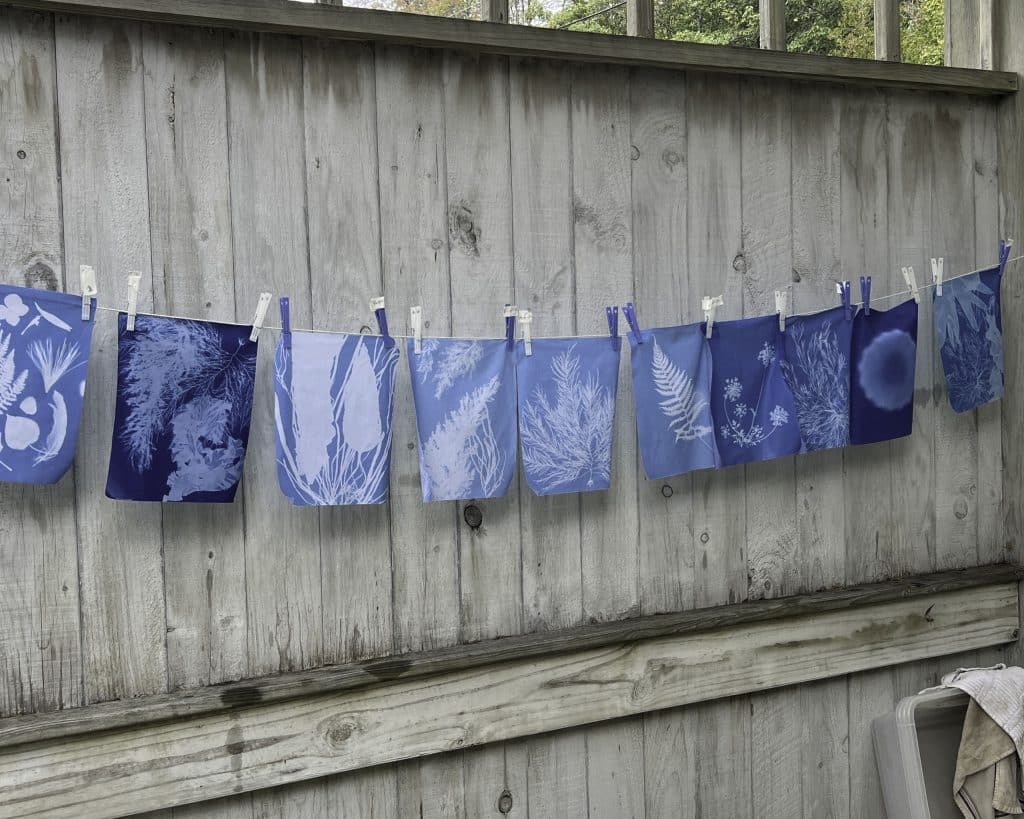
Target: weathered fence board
{"points": [[185, 761]]}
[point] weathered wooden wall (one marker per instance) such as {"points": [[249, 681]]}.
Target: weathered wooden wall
{"points": [[223, 163]]}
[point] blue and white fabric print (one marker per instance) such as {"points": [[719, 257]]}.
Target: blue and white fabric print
{"points": [[44, 356], [969, 329], [184, 400], [816, 364], [672, 389], [333, 402], [464, 391], [567, 412], [884, 358], [752, 406]]}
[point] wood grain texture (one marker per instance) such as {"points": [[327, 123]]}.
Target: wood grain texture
{"points": [[193, 275], [41, 656], [887, 30], [772, 24], [265, 745], [437, 32], [103, 160]]}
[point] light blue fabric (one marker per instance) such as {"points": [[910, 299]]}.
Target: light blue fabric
{"points": [[969, 330], [44, 356], [333, 402], [672, 389], [816, 364], [184, 402], [567, 412], [753, 407], [464, 391]]}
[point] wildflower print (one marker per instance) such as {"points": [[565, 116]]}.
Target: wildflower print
{"points": [[815, 363], [567, 413], [752, 405], [465, 394], [968, 327], [184, 401], [671, 370], [334, 396], [884, 353], [40, 401], [12, 309]]}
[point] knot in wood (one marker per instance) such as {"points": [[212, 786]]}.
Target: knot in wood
{"points": [[365, 329], [739, 264], [667, 491], [505, 802], [473, 516]]}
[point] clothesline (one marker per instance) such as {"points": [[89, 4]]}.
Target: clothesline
{"points": [[925, 286]]}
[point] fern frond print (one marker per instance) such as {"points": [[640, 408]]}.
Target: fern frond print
{"points": [[681, 403]]}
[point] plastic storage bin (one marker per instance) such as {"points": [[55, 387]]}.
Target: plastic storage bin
{"points": [[916, 748]]}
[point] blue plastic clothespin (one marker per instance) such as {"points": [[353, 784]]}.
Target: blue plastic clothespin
{"points": [[843, 289], [286, 322], [377, 305], [865, 294], [612, 314], [510, 325], [630, 313]]}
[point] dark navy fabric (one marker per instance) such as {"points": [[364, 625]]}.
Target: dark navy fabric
{"points": [[44, 357], [671, 369], [184, 401], [751, 403], [882, 373], [816, 365], [567, 391]]}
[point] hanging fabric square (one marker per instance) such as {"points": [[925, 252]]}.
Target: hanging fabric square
{"points": [[333, 401], [464, 391], [752, 406], [184, 400], [567, 393], [44, 357], [883, 364], [671, 370], [969, 331], [816, 365]]}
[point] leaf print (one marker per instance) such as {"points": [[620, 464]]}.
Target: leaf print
{"points": [[313, 422], [361, 425], [463, 448], [53, 364], [11, 384], [55, 438], [569, 438], [964, 304], [682, 404], [206, 456], [741, 426], [12, 309], [455, 361], [817, 372], [56, 321]]}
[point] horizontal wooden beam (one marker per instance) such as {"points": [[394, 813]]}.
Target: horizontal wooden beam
{"points": [[321, 20], [148, 766]]}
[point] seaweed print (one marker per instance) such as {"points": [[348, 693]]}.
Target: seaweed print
{"points": [[683, 405], [342, 446], [886, 371], [970, 341], [462, 448], [818, 376], [570, 436], [177, 375], [741, 427], [447, 364]]}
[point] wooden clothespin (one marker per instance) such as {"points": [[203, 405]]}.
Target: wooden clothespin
{"points": [[710, 304], [88, 278], [781, 307], [525, 320], [911, 280], [133, 300], [416, 322], [937, 274], [261, 313]]}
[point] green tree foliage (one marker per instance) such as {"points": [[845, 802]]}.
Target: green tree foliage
{"points": [[837, 27]]}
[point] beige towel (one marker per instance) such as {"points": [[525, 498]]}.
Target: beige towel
{"points": [[985, 785]]}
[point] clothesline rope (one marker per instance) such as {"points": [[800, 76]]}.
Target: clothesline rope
{"points": [[921, 287]]}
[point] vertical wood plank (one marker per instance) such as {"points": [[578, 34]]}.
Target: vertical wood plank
{"points": [[640, 18], [714, 244], [193, 275], [955, 434], [963, 21], [887, 30], [772, 24], [494, 11], [268, 202], [103, 160], [40, 663], [343, 218], [542, 230], [603, 247], [414, 241]]}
